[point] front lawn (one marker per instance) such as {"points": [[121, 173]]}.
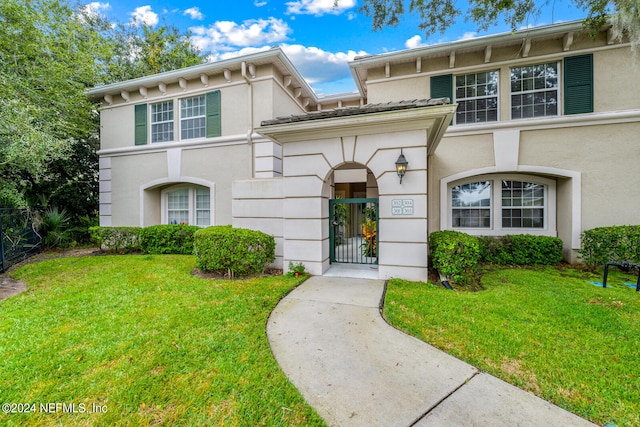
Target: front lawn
{"points": [[137, 340], [545, 330]]}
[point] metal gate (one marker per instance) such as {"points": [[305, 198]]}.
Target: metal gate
{"points": [[353, 231], [18, 238]]}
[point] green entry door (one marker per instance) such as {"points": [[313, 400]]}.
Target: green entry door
{"points": [[353, 231]]}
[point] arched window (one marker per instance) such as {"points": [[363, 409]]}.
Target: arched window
{"points": [[183, 204], [503, 204]]}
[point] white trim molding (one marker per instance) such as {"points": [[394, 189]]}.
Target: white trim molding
{"points": [[537, 172]]}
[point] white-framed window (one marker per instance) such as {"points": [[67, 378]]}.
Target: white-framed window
{"points": [[162, 121], [503, 204], [471, 205], [179, 119], [186, 204], [535, 91], [477, 97], [193, 117]]}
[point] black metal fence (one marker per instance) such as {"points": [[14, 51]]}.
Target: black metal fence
{"points": [[19, 239]]}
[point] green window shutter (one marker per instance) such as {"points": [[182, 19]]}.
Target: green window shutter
{"points": [[578, 84], [141, 124], [442, 86], [214, 125]]}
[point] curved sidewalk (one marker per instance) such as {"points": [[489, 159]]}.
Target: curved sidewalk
{"points": [[332, 343]]}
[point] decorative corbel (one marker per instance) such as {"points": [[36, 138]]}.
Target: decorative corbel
{"points": [[227, 75], [287, 81], [487, 54], [610, 36], [419, 65], [297, 92], [143, 91], [567, 41], [204, 79], [183, 83], [162, 87], [452, 59], [526, 47], [252, 71], [387, 70], [108, 99], [125, 95]]}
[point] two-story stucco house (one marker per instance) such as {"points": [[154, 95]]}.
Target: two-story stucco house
{"points": [[536, 131]]}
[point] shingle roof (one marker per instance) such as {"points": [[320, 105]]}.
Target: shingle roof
{"points": [[354, 111]]}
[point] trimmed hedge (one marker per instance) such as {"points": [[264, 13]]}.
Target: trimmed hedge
{"points": [[168, 239], [455, 255], [520, 249], [237, 251], [122, 240], [615, 243]]}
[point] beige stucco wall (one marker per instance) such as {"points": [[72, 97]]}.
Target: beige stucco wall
{"points": [[145, 175], [613, 70], [607, 157], [591, 162], [127, 174], [615, 74]]}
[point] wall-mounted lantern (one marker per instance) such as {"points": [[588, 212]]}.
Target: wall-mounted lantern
{"points": [[401, 165]]}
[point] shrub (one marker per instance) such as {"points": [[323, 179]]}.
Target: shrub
{"points": [[615, 243], [456, 255], [520, 249], [53, 227], [117, 239], [236, 251], [168, 239]]}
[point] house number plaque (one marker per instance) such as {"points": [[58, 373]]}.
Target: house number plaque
{"points": [[401, 206]]}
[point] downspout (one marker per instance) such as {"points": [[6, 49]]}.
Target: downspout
{"points": [[250, 131]]}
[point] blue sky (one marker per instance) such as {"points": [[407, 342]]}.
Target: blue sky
{"points": [[319, 38]]}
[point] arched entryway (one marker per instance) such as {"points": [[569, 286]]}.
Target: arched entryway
{"points": [[353, 215]]}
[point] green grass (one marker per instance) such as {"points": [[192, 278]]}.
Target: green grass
{"points": [[545, 330], [142, 337]]}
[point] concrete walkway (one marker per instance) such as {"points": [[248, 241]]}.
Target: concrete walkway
{"points": [[330, 340]]}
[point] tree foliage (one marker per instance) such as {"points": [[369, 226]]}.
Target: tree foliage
{"points": [[51, 51], [143, 50], [438, 15]]}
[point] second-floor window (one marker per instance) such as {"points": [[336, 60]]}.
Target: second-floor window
{"points": [[534, 91], [477, 97], [181, 119], [193, 116], [162, 121]]}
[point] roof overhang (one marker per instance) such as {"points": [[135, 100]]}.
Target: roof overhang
{"points": [[273, 56], [360, 66], [434, 119]]}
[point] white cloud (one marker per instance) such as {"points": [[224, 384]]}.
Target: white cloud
{"points": [[95, 8], [321, 69], [144, 15], [258, 3], [319, 66], [413, 42], [194, 13], [227, 35], [469, 35], [319, 7]]}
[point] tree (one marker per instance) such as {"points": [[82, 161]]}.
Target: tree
{"points": [[438, 15], [47, 60], [139, 51], [51, 51]]}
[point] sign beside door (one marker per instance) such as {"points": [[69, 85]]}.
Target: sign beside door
{"points": [[401, 206]]}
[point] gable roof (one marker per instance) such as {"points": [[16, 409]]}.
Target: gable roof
{"points": [[274, 56]]}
